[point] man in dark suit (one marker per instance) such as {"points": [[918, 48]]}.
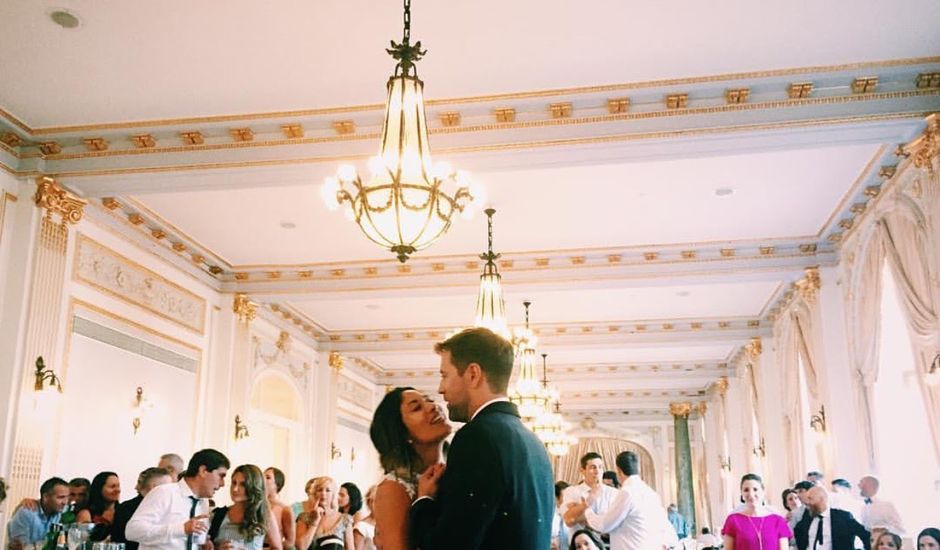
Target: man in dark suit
{"points": [[496, 491], [825, 528]]}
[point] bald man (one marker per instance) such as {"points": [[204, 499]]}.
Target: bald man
{"points": [[877, 514], [173, 464], [825, 528]]}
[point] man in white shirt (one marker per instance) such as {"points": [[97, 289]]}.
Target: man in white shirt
{"points": [[592, 490], [636, 519], [843, 499], [175, 516], [878, 515]]}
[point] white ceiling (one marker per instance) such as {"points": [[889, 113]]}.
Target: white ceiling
{"points": [[780, 194], [166, 59]]}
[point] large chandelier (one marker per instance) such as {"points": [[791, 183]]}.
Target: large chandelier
{"points": [[491, 309], [527, 393], [550, 426], [406, 204]]}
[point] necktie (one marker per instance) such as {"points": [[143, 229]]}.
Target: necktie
{"points": [[819, 532], [867, 500], [192, 513]]}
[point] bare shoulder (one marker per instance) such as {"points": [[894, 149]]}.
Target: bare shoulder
{"points": [[392, 494]]}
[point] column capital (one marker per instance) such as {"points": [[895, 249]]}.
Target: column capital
{"points": [[336, 361], [810, 284], [925, 148], [56, 200], [680, 409], [702, 408], [721, 386], [245, 309], [754, 348]]}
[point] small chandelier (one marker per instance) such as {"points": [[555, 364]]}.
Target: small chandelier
{"points": [[491, 309], [407, 203], [550, 426], [527, 393]]}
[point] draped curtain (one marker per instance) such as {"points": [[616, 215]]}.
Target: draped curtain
{"points": [[568, 467]]}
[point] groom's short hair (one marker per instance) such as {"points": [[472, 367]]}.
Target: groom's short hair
{"points": [[484, 347], [628, 463]]}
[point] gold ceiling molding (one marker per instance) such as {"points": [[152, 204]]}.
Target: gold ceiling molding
{"points": [[852, 191], [676, 105], [299, 320], [867, 65], [865, 84], [928, 80], [563, 142]]}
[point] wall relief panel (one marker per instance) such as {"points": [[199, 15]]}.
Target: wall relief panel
{"points": [[104, 269]]}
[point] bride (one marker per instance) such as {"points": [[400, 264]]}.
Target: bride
{"points": [[408, 431]]}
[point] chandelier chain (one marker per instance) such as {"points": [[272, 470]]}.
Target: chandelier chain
{"points": [[489, 256], [407, 35]]}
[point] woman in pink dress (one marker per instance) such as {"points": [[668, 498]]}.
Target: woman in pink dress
{"points": [[755, 527]]}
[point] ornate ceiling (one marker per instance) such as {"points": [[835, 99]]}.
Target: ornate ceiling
{"points": [[657, 193]]}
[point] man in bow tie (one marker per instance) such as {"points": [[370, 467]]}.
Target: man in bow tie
{"points": [[878, 515]]}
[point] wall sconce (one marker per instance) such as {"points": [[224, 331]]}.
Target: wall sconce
{"points": [[761, 449], [138, 404], [818, 420], [335, 452], [44, 376], [724, 463], [352, 456], [241, 429]]}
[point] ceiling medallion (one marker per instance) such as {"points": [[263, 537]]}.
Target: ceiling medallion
{"points": [[406, 204]]}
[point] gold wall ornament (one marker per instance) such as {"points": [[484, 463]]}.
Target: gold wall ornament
{"points": [[818, 420], [292, 131], [761, 449], [95, 144], [344, 127], [50, 148], [242, 134], [680, 409], [809, 285], [928, 80], [864, 84], [926, 148], [677, 101], [560, 110], [618, 105], [245, 309], [192, 138], [45, 377], [241, 429], [736, 96], [283, 343], [56, 200], [799, 90], [505, 114], [110, 203], [144, 141], [808, 248], [754, 348], [724, 462], [336, 361], [450, 119], [721, 386], [10, 139]]}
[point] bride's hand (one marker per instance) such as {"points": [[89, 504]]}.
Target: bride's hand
{"points": [[428, 482]]}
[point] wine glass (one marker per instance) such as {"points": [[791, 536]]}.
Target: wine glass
{"points": [[78, 534]]}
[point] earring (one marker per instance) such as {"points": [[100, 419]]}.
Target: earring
{"points": [[409, 441]]}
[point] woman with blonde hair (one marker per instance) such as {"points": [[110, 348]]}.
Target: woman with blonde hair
{"points": [[248, 523], [321, 526]]}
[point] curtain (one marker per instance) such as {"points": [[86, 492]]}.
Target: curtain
{"points": [[793, 416], [568, 467]]}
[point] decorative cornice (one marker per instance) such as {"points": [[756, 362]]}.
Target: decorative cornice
{"points": [[244, 309], [336, 361], [680, 409], [56, 200], [721, 386], [926, 149], [754, 348], [809, 285]]}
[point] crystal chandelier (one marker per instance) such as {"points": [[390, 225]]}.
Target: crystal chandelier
{"points": [[550, 426], [491, 309], [406, 204], [527, 393]]}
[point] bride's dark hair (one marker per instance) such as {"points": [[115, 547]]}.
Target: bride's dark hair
{"points": [[391, 437]]}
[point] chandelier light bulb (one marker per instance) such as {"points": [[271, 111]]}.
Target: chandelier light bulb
{"points": [[328, 192], [443, 171], [376, 165]]}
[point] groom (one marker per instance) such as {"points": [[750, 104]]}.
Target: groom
{"points": [[497, 490]]}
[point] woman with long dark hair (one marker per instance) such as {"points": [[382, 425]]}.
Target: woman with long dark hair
{"points": [[103, 496], [928, 539], [248, 523], [408, 430]]}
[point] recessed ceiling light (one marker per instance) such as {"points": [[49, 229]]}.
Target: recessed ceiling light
{"points": [[724, 191], [64, 18], [373, 307], [683, 293], [288, 225]]}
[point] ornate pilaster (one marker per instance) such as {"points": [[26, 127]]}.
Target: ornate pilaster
{"points": [[685, 493], [753, 349], [44, 316], [809, 285], [245, 309], [925, 150]]}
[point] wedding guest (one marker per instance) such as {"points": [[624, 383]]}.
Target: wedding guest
{"points": [[755, 527], [172, 463], [707, 540], [794, 507], [78, 492], [350, 499], [817, 478], [878, 515], [559, 533], [678, 521], [408, 431], [887, 541], [591, 489], [828, 528], [610, 479], [324, 527], [585, 539], [248, 523], [103, 496], [298, 508], [173, 515], [29, 526], [273, 484], [364, 528], [843, 498], [147, 480], [928, 539]]}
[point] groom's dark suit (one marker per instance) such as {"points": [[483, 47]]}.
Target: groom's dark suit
{"points": [[497, 490]]}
